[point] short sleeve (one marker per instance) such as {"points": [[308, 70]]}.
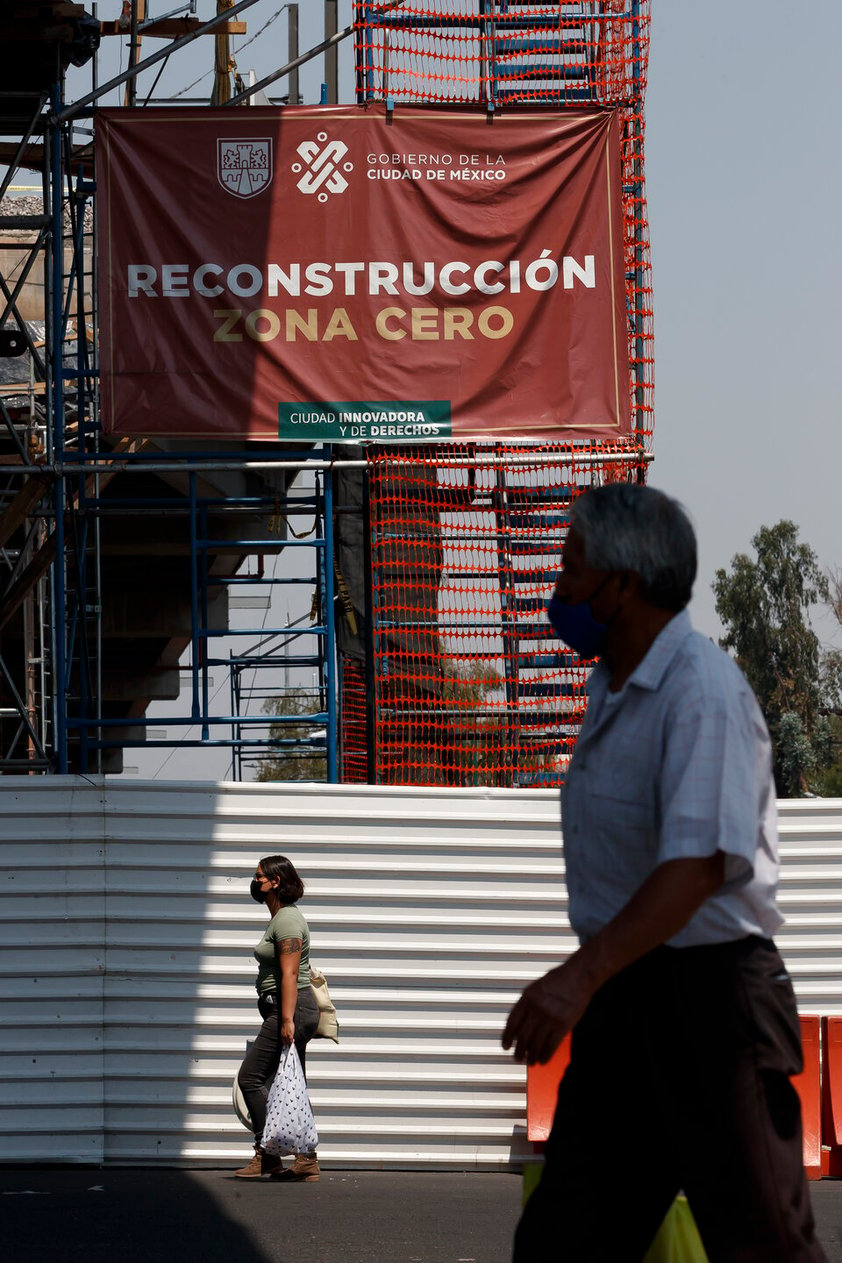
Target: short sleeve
{"points": [[285, 924], [709, 789]]}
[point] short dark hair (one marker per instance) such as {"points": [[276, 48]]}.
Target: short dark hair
{"points": [[627, 526], [291, 887]]}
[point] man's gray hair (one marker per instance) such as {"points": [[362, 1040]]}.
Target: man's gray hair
{"points": [[626, 526]]}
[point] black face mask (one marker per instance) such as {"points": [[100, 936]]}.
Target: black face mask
{"points": [[258, 895]]}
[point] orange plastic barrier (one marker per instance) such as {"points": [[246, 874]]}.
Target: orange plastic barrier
{"points": [[541, 1093], [832, 1096], [808, 1086]]}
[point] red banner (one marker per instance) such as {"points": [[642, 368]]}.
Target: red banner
{"points": [[341, 273]]}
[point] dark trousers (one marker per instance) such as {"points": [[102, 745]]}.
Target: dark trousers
{"points": [[261, 1062], [679, 1079]]}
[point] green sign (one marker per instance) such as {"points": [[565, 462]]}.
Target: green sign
{"points": [[365, 421]]}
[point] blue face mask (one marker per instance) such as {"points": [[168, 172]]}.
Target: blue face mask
{"points": [[576, 625]]}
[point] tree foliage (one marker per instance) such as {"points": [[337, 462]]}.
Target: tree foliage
{"points": [[475, 728], [484, 729], [301, 749], [829, 782], [471, 718], [764, 605]]}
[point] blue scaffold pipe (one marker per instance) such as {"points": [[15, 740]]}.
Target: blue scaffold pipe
{"points": [[57, 404], [330, 627], [194, 598]]}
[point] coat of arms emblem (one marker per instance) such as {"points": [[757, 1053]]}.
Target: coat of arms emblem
{"points": [[244, 167]]}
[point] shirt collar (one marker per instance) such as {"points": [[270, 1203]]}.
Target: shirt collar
{"points": [[649, 673]]}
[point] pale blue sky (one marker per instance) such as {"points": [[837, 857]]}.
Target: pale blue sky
{"points": [[744, 186]]}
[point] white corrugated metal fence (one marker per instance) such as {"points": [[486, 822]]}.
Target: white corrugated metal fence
{"points": [[126, 968]]}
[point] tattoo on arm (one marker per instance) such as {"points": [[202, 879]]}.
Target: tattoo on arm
{"points": [[289, 946]]}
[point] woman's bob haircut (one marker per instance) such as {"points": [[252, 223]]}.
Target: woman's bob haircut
{"points": [[291, 887]]}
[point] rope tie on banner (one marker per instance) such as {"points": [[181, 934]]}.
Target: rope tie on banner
{"points": [[345, 599]]}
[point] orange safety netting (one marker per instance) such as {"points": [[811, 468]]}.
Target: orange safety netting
{"points": [[507, 51], [471, 687], [353, 762], [471, 684]]}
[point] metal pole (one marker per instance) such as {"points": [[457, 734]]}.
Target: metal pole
{"points": [[203, 640], [236, 729], [331, 60], [13, 165], [29, 664], [131, 85], [488, 65], [368, 82], [508, 619], [330, 624], [294, 64], [76, 108], [122, 466], [368, 641], [92, 420], [55, 373], [80, 541], [637, 187], [194, 598], [95, 60], [292, 53]]}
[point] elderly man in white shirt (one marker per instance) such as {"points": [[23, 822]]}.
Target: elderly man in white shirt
{"points": [[686, 1031]]}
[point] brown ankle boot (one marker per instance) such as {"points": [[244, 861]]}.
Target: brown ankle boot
{"points": [[261, 1165], [304, 1170]]}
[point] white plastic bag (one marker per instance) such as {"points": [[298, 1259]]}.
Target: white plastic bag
{"points": [[290, 1126]]}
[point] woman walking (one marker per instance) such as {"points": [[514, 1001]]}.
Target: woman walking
{"points": [[285, 1002]]}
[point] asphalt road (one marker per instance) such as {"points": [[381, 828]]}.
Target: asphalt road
{"points": [[90, 1215]]}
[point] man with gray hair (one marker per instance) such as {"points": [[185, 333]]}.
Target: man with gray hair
{"points": [[686, 1031]]}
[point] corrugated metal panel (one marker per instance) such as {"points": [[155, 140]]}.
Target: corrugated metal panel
{"points": [[811, 900], [126, 939], [52, 970]]}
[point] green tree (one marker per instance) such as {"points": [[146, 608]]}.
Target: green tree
{"points": [[472, 719], [829, 782], [302, 759], [764, 605], [486, 734]]}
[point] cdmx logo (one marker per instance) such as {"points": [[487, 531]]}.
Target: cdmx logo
{"points": [[322, 160]]}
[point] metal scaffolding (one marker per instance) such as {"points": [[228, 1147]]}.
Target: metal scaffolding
{"points": [[76, 509], [122, 560]]}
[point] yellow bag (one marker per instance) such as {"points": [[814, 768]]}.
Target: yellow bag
{"points": [[678, 1239], [532, 1173]]}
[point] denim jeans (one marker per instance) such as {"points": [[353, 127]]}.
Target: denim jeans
{"points": [[261, 1061]]}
